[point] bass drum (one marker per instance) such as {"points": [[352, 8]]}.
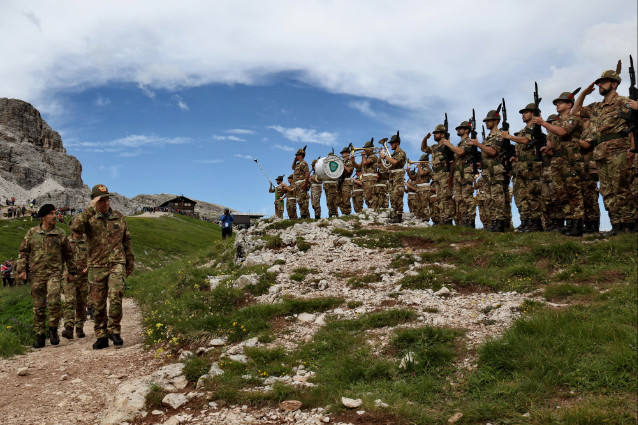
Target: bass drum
{"points": [[329, 167]]}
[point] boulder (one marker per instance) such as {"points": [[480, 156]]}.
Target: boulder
{"points": [[351, 403], [174, 401]]}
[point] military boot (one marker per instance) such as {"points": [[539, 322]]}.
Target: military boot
{"points": [[101, 343], [628, 227], [615, 229], [53, 336], [556, 225], [68, 332], [568, 226], [80, 332], [398, 218], [117, 340], [536, 225], [89, 312], [576, 229], [39, 341], [524, 227], [591, 226]]}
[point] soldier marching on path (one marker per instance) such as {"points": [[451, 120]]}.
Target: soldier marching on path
{"points": [[76, 291], [43, 253], [110, 261]]}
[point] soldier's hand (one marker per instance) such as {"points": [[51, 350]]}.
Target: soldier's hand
{"points": [[589, 89], [427, 136], [630, 157], [632, 104], [94, 201], [506, 134], [23, 275], [538, 120], [473, 142]]}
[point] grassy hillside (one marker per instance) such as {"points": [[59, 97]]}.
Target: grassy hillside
{"points": [[156, 242]]}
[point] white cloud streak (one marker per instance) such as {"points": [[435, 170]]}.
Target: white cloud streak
{"points": [[284, 147], [238, 155], [209, 161], [305, 135], [180, 103], [241, 131], [231, 138]]}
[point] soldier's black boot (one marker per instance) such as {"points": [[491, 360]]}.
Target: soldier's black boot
{"points": [[117, 340], [558, 225], [568, 226], [398, 218], [576, 229], [524, 225], [537, 225], [89, 312], [80, 332], [627, 227], [39, 341], [53, 336], [67, 332], [615, 229], [101, 343]]}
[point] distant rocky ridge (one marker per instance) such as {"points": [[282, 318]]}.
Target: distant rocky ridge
{"points": [[34, 165]]}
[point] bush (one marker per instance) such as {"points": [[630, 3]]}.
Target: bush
{"points": [[194, 367], [154, 397]]}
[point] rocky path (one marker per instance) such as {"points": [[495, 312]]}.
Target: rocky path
{"points": [[71, 383]]}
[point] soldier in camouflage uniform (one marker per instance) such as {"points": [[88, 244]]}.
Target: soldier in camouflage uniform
{"points": [[331, 187], [316, 187], [567, 164], [410, 189], [395, 177], [423, 178], [43, 253], [368, 167], [301, 176], [345, 188], [493, 174], [279, 191], [442, 178], [608, 134], [76, 291], [527, 175], [381, 185], [590, 186], [481, 199], [291, 200], [553, 218], [110, 261], [357, 192], [463, 177]]}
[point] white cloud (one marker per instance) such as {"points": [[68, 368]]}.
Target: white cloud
{"points": [[231, 138], [284, 147], [112, 170], [238, 155], [306, 135], [209, 161], [180, 103], [128, 146], [363, 106], [102, 101], [240, 131], [398, 52]]}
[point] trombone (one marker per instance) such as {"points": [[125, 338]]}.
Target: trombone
{"points": [[359, 151]]}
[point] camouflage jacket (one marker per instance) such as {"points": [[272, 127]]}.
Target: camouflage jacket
{"points": [[300, 171], [372, 167], [438, 159], [463, 161], [525, 153], [80, 255], [45, 252], [347, 163], [561, 145], [495, 141], [605, 119], [400, 156], [426, 177], [108, 238]]}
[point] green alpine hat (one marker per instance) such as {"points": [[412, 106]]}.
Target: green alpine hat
{"points": [[566, 96], [424, 157], [492, 115], [301, 152], [395, 138], [99, 191], [280, 178], [369, 144], [530, 107], [290, 177], [345, 150], [609, 75], [440, 128], [552, 117], [464, 124]]}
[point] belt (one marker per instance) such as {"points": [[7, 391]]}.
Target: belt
{"points": [[315, 184], [357, 190], [299, 181], [411, 193], [398, 170], [369, 175], [612, 136], [380, 185], [291, 199], [423, 185], [330, 182]]}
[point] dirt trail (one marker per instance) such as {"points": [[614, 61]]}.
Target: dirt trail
{"points": [[45, 397]]}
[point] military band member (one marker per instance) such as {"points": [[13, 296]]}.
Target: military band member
{"points": [[410, 189], [553, 218], [493, 173], [567, 164], [291, 200], [279, 192], [345, 188], [608, 134], [43, 252], [368, 167], [442, 178], [357, 192], [301, 175], [463, 177], [423, 178], [395, 177], [316, 186], [381, 185], [331, 188]]}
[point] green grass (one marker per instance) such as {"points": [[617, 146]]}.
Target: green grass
{"points": [[194, 367], [364, 280], [16, 320], [299, 274], [154, 397]]}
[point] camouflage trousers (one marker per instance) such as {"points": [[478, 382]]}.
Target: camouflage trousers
{"points": [[345, 193], [566, 176], [279, 208], [412, 203], [591, 209], [107, 283], [302, 199], [291, 208], [497, 197], [616, 177], [423, 201], [464, 195], [550, 208], [435, 215], [45, 289], [396, 186], [315, 198], [75, 302], [527, 189], [357, 200], [381, 193], [445, 203], [369, 192], [332, 197]]}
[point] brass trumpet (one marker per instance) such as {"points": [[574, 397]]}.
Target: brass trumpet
{"points": [[358, 151], [418, 162]]}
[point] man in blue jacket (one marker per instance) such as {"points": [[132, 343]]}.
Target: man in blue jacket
{"points": [[226, 221]]}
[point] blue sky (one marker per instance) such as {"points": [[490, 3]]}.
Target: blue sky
{"points": [[158, 96]]}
